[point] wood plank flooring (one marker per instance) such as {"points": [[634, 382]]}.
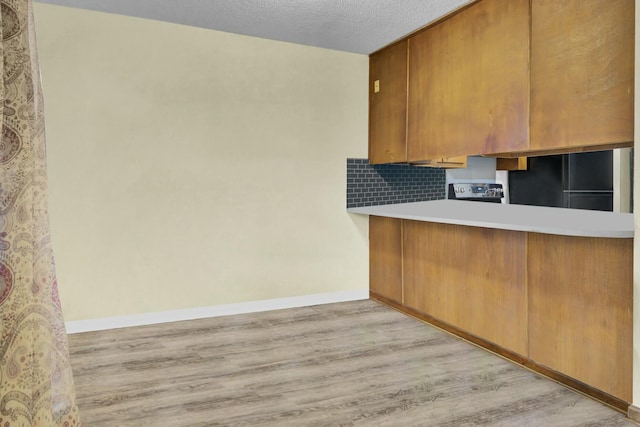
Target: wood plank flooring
{"points": [[348, 364]]}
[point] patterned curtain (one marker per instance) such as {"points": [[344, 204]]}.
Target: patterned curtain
{"points": [[36, 382]]}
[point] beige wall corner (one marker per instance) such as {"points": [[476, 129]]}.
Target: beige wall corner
{"points": [[193, 168], [622, 180]]}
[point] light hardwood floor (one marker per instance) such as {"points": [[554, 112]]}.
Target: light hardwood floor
{"points": [[348, 364]]}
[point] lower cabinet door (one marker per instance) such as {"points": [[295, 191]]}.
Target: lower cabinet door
{"points": [[385, 257], [471, 278], [581, 309]]}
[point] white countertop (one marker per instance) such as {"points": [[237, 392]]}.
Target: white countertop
{"points": [[536, 219]]}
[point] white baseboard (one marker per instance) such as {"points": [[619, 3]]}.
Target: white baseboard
{"points": [[78, 326]]}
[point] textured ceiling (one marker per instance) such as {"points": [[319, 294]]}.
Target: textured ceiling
{"points": [[359, 26]]}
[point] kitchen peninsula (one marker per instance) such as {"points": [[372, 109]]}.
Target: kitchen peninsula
{"points": [[548, 288]]}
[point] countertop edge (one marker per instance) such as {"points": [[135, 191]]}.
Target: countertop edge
{"points": [[543, 229]]}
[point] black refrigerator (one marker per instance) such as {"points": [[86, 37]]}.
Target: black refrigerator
{"points": [[578, 180]]}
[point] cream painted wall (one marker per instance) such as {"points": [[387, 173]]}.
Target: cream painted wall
{"points": [[193, 168]]}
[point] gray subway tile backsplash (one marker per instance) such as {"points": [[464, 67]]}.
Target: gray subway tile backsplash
{"points": [[370, 185]]}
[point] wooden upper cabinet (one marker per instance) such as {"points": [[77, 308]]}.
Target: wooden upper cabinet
{"points": [[388, 105], [582, 72], [469, 83]]}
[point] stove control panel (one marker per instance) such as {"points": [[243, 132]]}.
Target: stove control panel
{"points": [[475, 191]]}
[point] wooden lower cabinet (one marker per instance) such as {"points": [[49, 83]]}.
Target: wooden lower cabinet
{"points": [[469, 277], [385, 257], [581, 309], [560, 305]]}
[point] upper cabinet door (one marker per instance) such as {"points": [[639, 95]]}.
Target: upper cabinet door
{"points": [[582, 71], [469, 83], [388, 105]]}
